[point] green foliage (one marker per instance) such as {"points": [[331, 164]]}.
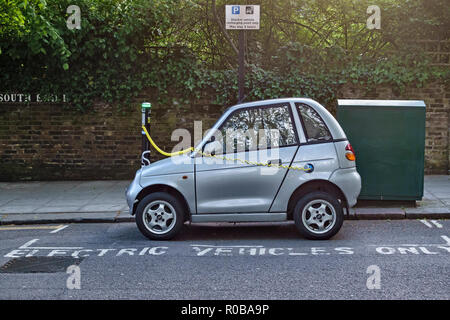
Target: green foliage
{"points": [[303, 71], [106, 60], [308, 48], [26, 32]]}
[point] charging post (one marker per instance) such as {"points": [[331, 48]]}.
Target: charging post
{"points": [[146, 111]]}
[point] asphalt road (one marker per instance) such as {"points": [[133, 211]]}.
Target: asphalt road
{"points": [[246, 261]]}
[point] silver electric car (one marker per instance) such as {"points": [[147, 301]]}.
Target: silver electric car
{"points": [[264, 161]]}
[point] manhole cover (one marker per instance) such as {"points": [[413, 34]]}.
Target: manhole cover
{"points": [[39, 264]]}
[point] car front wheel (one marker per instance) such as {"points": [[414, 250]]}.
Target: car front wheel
{"points": [[159, 216], [318, 215]]}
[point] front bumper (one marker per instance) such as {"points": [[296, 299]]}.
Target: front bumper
{"points": [[132, 192], [349, 181]]}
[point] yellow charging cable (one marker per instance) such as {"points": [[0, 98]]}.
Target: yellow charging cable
{"points": [[167, 154], [171, 154]]}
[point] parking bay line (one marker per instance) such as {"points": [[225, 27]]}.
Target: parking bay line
{"points": [[430, 225], [437, 224], [59, 229], [225, 246], [27, 246], [445, 238]]}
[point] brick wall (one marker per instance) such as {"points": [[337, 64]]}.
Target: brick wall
{"points": [[47, 142]]}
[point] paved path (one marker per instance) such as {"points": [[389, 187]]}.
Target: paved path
{"points": [[62, 196], [66, 201], [104, 201]]}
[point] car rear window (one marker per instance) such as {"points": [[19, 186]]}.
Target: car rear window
{"points": [[313, 124]]}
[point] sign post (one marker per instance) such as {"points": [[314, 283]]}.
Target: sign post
{"points": [[241, 17], [241, 68], [146, 110]]}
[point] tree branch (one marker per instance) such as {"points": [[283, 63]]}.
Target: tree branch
{"points": [[307, 27], [222, 28]]}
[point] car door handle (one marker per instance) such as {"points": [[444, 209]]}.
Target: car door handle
{"points": [[275, 161]]}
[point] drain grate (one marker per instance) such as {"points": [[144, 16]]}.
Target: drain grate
{"points": [[39, 264]]}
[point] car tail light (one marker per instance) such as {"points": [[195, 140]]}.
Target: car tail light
{"points": [[350, 154], [349, 147]]}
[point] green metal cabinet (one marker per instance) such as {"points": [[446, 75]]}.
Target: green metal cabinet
{"points": [[388, 137]]}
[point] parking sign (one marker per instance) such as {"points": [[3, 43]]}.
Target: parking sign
{"points": [[242, 17]]}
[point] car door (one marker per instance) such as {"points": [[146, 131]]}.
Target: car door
{"points": [[232, 181], [317, 152]]}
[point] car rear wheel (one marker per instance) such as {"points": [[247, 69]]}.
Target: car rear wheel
{"points": [[159, 216], [318, 215]]}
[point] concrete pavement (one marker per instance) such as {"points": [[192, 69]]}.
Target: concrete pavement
{"points": [[63, 201], [243, 262], [104, 201]]}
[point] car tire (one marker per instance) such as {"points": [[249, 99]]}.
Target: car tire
{"points": [[318, 215], [159, 216]]}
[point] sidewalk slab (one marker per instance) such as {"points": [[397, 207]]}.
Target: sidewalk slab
{"points": [[104, 207], [56, 209], [104, 201], [17, 209], [62, 197]]}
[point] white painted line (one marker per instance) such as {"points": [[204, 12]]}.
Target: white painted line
{"points": [[425, 222], [54, 248], [437, 224], [207, 245], [410, 245], [28, 243], [27, 246], [59, 229], [446, 239]]}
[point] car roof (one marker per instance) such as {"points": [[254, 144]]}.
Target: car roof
{"points": [[268, 101]]}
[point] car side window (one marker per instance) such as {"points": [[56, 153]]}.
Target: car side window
{"points": [[279, 119], [258, 128], [315, 128]]}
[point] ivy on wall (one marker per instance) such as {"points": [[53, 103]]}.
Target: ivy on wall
{"points": [[124, 47]]}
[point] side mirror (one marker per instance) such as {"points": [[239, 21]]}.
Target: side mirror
{"points": [[212, 147], [212, 139]]}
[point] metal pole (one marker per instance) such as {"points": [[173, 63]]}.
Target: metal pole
{"points": [[146, 110], [241, 71]]}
